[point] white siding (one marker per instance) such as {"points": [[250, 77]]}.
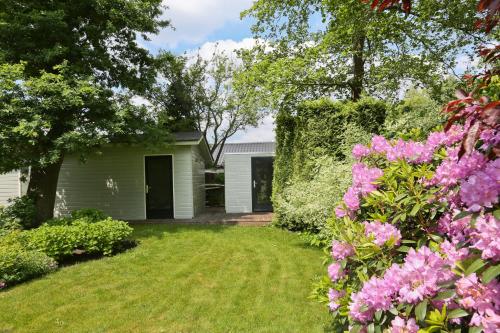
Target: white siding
{"points": [[9, 186], [238, 182], [113, 181], [198, 181]]}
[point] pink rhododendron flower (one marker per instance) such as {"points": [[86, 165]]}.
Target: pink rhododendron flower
{"points": [[452, 170], [399, 325], [457, 230], [379, 144], [485, 299], [340, 211], [351, 199], [487, 237], [335, 271], [454, 134], [363, 178], [421, 274], [356, 309], [382, 232], [452, 254], [341, 250], [359, 151], [480, 190], [333, 297]]}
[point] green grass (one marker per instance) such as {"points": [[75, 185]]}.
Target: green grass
{"points": [[179, 279]]}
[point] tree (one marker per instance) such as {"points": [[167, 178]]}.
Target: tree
{"points": [[353, 50], [31, 113], [61, 114], [216, 109]]}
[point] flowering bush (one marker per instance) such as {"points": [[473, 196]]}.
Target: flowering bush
{"points": [[416, 239]]}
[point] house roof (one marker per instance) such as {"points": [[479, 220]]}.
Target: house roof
{"points": [[245, 148], [187, 136]]}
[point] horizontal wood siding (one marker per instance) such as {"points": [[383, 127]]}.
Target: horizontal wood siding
{"points": [[9, 186], [238, 182], [113, 181]]}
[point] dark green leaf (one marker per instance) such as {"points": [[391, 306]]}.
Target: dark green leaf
{"points": [[461, 215], [491, 273], [421, 310], [444, 295], [457, 313], [475, 266]]}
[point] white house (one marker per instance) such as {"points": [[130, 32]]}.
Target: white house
{"points": [[248, 176], [131, 182]]}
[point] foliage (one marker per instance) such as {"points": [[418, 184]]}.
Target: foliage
{"points": [[90, 214], [19, 212], [305, 187], [18, 264], [209, 101], [30, 106], [300, 57], [413, 240], [414, 117], [61, 82], [81, 236], [95, 37], [305, 205]]}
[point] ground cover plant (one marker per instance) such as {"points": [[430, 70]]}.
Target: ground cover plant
{"points": [[180, 278], [26, 254]]}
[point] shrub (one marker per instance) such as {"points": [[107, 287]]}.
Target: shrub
{"points": [[18, 264], [62, 241], [90, 214], [20, 211], [415, 239], [304, 186], [306, 205]]}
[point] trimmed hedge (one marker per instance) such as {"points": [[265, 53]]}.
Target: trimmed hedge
{"points": [[320, 129]]}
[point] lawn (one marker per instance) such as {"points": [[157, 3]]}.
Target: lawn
{"points": [[179, 279]]}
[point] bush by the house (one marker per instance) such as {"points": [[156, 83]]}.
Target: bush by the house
{"points": [[19, 213], [25, 254], [18, 264], [415, 239], [62, 241]]}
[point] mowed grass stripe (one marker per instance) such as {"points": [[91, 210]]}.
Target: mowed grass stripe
{"points": [[179, 279]]}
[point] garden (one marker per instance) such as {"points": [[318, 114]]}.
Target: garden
{"points": [[386, 177]]}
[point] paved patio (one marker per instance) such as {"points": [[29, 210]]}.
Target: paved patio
{"points": [[218, 216]]}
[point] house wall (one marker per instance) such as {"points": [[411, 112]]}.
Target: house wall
{"points": [[238, 181], [10, 186], [198, 180], [113, 181]]}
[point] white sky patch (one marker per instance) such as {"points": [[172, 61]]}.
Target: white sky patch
{"points": [[264, 132], [465, 63], [194, 20]]}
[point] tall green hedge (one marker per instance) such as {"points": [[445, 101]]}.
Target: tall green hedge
{"points": [[319, 128]]}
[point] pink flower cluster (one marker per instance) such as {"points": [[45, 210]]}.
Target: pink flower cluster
{"points": [[363, 183], [399, 325], [341, 250], [335, 271], [333, 298], [457, 230], [482, 188], [486, 237], [452, 254], [382, 232], [452, 169], [483, 299], [418, 278], [411, 151]]}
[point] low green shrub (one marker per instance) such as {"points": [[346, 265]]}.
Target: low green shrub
{"points": [[306, 205], [20, 212], [18, 264], [90, 214], [63, 241]]}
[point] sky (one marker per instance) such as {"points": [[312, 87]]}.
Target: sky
{"points": [[203, 24]]}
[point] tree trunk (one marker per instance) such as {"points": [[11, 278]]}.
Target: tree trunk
{"points": [[358, 66], [42, 188]]}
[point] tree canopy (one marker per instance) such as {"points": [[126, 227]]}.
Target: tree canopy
{"points": [[342, 48]]}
